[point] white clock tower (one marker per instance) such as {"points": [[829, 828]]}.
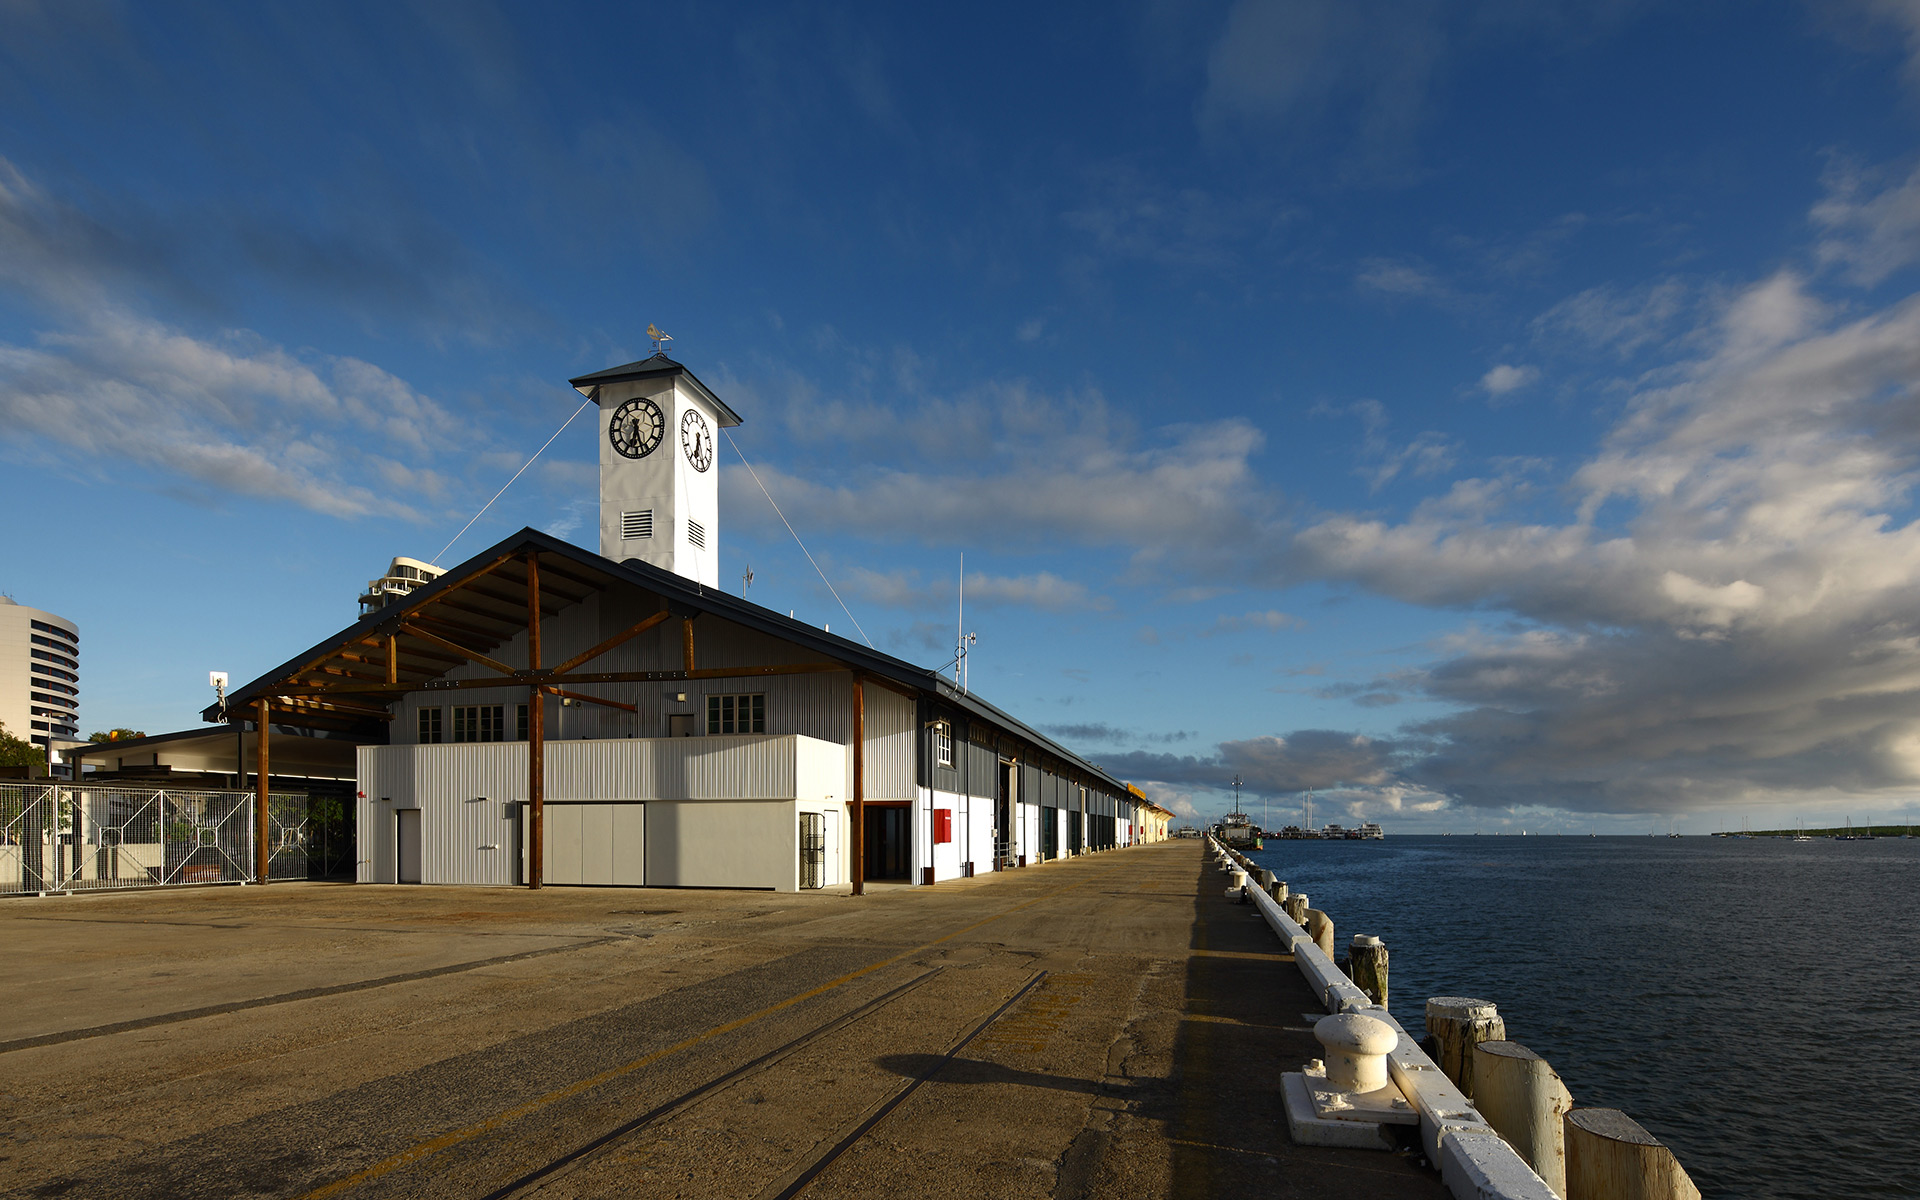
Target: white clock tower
{"points": [[659, 466]]}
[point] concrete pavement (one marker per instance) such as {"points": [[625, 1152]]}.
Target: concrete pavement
{"points": [[1106, 1026]]}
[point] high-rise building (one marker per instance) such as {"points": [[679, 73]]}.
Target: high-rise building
{"points": [[39, 673]]}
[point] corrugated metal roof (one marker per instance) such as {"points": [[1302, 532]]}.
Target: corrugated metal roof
{"points": [[478, 612]]}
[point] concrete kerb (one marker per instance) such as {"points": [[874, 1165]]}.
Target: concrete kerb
{"points": [[1474, 1162]]}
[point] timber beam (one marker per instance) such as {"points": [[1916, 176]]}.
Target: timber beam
{"points": [[538, 678], [475, 655]]}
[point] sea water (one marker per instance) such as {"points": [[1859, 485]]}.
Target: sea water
{"points": [[1754, 1003]]}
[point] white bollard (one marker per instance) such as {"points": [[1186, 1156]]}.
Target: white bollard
{"points": [[1237, 886], [1356, 1050]]}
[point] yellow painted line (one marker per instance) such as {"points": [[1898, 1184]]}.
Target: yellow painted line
{"points": [[466, 1133]]}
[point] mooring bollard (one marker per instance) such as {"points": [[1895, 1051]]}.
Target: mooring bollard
{"points": [[1320, 929], [1237, 886], [1457, 1024], [1296, 906], [1525, 1102], [1367, 966], [1356, 1048], [1610, 1157]]}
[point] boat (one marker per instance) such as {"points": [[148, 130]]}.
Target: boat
{"points": [[1333, 832], [1236, 830], [1370, 832]]}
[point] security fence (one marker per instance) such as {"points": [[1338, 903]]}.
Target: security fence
{"points": [[55, 837]]}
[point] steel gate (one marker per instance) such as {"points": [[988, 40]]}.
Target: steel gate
{"points": [[55, 837]]}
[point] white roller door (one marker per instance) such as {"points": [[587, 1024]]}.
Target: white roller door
{"points": [[596, 844]]}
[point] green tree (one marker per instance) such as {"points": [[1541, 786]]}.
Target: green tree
{"points": [[116, 735], [17, 752]]}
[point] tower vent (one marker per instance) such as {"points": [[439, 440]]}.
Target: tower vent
{"points": [[636, 525]]}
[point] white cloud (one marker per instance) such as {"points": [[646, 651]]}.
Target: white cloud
{"points": [[907, 589], [1267, 621], [1621, 320], [1869, 234], [1739, 628], [1399, 278], [1504, 378]]}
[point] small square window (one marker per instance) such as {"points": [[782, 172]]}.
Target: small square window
{"points": [[943, 743], [430, 730]]}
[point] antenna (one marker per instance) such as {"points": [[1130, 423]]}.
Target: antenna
{"points": [[1236, 792], [962, 675], [746, 581], [217, 680], [659, 339]]}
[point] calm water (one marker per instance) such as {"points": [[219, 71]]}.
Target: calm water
{"points": [[1754, 1003]]}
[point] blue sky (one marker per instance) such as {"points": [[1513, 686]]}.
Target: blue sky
{"points": [[1487, 415]]}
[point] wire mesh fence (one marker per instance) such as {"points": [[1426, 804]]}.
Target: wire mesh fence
{"points": [[56, 837]]}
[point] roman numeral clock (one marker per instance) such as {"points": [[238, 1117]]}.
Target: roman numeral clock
{"points": [[659, 484]]}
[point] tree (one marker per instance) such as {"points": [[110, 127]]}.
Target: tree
{"points": [[16, 752], [115, 735]]}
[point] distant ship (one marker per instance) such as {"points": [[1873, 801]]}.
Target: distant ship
{"points": [[1236, 830]]}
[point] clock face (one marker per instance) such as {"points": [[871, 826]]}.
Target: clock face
{"points": [[636, 428], [697, 440]]}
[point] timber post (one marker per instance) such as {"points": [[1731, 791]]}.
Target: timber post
{"points": [[1320, 929], [1609, 1155], [1456, 1025], [857, 809], [1525, 1102], [1278, 890], [536, 738], [262, 852], [1296, 908], [1367, 966]]}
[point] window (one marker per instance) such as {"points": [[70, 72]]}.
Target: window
{"points": [[55, 630], [479, 722], [520, 723], [943, 743], [430, 733], [737, 714], [697, 535], [636, 525]]}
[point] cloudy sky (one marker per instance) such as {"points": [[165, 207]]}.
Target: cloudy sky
{"points": [[1486, 415]]}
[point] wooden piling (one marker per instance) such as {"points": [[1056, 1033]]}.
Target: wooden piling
{"points": [[1367, 966], [1525, 1102], [1610, 1157], [1456, 1024], [1278, 890], [1320, 928], [1296, 906]]}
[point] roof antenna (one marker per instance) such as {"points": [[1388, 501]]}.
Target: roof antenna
{"points": [[659, 340], [746, 581], [962, 639]]}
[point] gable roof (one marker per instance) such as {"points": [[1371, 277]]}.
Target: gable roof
{"points": [[657, 367], [460, 601]]}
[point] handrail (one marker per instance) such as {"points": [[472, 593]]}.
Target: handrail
{"points": [[1474, 1162]]}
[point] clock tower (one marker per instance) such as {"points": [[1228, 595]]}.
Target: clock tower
{"points": [[659, 466]]}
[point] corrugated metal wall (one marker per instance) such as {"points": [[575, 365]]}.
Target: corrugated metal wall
{"points": [[891, 724]]}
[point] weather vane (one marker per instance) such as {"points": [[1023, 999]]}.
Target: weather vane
{"points": [[659, 339]]}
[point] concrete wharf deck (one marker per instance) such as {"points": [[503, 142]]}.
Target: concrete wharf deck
{"points": [[1106, 1026]]}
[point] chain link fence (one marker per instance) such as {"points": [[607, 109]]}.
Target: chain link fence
{"points": [[56, 837]]}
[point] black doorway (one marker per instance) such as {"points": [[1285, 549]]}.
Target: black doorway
{"points": [[887, 841]]}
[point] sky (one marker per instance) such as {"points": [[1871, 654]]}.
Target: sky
{"points": [[1497, 414]]}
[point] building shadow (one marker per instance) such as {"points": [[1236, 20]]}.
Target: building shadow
{"points": [[973, 1070]]}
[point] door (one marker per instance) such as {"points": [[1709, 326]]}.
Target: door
{"points": [[1003, 814], [598, 845], [887, 841], [408, 842], [813, 850]]}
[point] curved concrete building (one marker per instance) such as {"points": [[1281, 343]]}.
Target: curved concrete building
{"points": [[39, 673]]}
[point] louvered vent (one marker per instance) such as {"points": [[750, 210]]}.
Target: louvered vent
{"points": [[697, 535], [634, 525]]}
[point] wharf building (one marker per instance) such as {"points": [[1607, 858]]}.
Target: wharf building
{"points": [[544, 714], [39, 674]]}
